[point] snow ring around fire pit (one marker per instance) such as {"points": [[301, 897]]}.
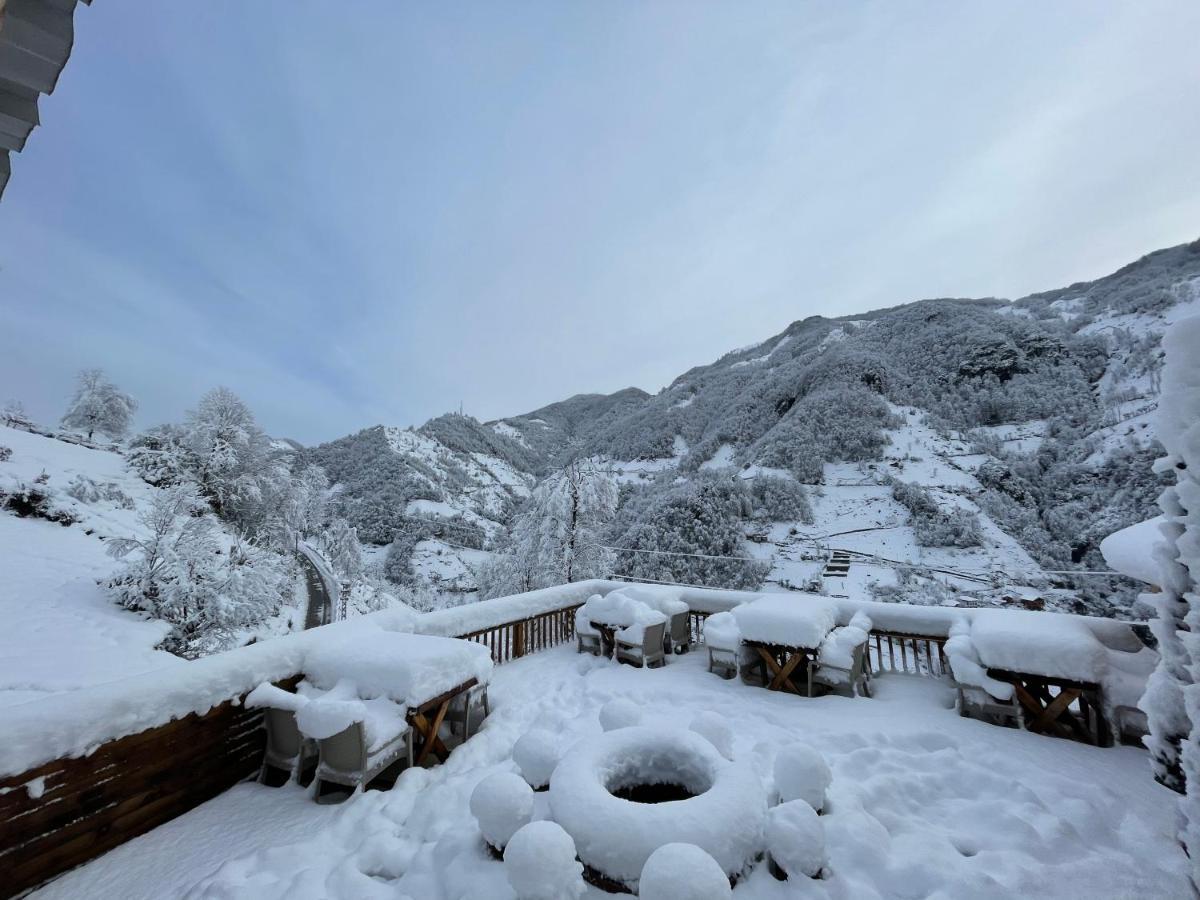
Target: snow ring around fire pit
{"points": [[626, 793]]}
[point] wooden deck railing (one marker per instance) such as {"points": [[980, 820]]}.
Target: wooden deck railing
{"points": [[914, 654], [510, 640]]}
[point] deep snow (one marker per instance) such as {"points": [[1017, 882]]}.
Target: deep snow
{"points": [[921, 803]]}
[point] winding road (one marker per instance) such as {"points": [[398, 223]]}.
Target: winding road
{"points": [[319, 602]]}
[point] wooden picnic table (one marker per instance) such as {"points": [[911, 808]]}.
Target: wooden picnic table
{"points": [[1047, 701], [781, 662], [426, 721]]}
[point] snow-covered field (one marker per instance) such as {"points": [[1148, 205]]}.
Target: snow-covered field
{"points": [[922, 803], [59, 628], [60, 631]]}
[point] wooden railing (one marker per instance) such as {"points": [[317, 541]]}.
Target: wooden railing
{"points": [[914, 654], [510, 640]]}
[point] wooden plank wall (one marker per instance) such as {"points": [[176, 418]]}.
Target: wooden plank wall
{"points": [[89, 805]]}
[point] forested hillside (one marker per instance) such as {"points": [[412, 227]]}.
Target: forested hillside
{"points": [[1002, 438]]}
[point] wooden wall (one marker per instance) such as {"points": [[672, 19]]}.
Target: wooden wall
{"points": [[91, 804]]}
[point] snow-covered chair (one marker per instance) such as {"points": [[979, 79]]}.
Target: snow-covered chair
{"points": [[287, 749], [679, 634], [587, 638], [979, 695], [723, 641], [647, 652], [347, 760], [843, 664], [468, 710]]}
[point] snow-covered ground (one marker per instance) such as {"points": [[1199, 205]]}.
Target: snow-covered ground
{"points": [[922, 803], [59, 629]]}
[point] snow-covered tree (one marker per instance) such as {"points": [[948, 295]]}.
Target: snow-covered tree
{"points": [[339, 541], [557, 536], [177, 571], [232, 453], [99, 405]]}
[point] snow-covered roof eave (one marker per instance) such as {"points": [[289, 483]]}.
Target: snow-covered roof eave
{"points": [[1130, 551]]}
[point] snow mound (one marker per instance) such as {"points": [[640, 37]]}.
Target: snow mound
{"points": [[621, 611], [724, 814], [536, 753], [682, 872], [1038, 643], [801, 773], [583, 625], [502, 804], [714, 729], [796, 839], [540, 863], [965, 665], [620, 713], [786, 619]]}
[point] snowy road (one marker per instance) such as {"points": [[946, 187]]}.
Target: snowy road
{"points": [[319, 602]]}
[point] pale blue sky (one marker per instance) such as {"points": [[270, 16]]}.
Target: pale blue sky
{"points": [[371, 212]]}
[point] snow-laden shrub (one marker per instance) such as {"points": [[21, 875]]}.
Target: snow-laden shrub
{"points": [[5, 453], [801, 773], [620, 713], [501, 803], [36, 501], [536, 753], [715, 730], [933, 527], [780, 499], [85, 490], [540, 863], [796, 839], [682, 872]]}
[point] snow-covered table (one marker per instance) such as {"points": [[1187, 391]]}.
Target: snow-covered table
{"points": [[422, 672], [786, 632], [618, 614], [1054, 663]]}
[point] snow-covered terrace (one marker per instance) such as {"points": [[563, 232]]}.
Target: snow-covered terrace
{"points": [[922, 801]]}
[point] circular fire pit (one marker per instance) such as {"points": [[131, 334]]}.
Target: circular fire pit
{"points": [[626, 793]]}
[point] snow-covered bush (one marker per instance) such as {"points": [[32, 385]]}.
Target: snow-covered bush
{"points": [[620, 713], [536, 753], [796, 839], [932, 526], [682, 872], [715, 730], [5, 453], [801, 773], [36, 500], [540, 863], [160, 456], [85, 490], [502, 803], [14, 415], [780, 499]]}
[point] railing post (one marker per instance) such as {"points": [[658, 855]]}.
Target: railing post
{"points": [[518, 648]]}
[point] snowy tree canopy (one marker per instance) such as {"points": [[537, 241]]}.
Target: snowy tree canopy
{"points": [[99, 405]]}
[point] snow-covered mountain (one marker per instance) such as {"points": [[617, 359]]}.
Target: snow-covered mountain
{"points": [[1030, 418]]}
